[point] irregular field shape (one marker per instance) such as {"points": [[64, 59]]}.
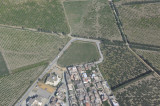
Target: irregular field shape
{"points": [[79, 52], [3, 66], [45, 14]]}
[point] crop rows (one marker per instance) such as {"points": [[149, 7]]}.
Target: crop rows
{"points": [[95, 19], [144, 92], [141, 22], [14, 85], [120, 65], [24, 47]]}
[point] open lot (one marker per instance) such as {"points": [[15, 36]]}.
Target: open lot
{"points": [[79, 52], [92, 18], [152, 57], [141, 21], [120, 65], [3, 66], [23, 48], [14, 85], [47, 15], [144, 92]]}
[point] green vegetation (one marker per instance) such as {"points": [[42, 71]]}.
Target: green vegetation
{"points": [[47, 15], [105, 103], [144, 92], [120, 65], [14, 85], [152, 56], [92, 18], [79, 52], [140, 28], [22, 48], [3, 66]]}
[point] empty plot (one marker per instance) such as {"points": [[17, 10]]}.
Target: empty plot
{"points": [[79, 52], [47, 15], [3, 67], [25, 47], [144, 92], [120, 65]]}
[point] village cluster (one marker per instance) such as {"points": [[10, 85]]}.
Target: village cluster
{"points": [[86, 86], [80, 85]]}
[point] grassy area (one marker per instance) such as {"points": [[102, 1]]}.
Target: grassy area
{"points": [[144, 92], [47, 15], [23, 48], [3, 67], [151, 56], [79, 52], [92, 18], [14, 85], [141, 22], [120, 65]]}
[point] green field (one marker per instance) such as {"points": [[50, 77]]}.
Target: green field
{"points": [[120, 65], [3, 66], [79, 52], [14, 85], [141, 22], [23, 48], [152, 57], [92, 18], [144, 92], [47, 15]]}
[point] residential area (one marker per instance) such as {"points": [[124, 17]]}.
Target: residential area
{"points": [[80, 85]]}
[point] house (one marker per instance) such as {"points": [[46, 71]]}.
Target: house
{"points": [[34, 101], [53, 79]]}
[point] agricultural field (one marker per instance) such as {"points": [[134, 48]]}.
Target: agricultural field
{"points": [[152, 57], [120, 65], [47, 15], [141, 20], [23, 48], [144, 92], [79, 52], [3, 66], [14, 85], [92, 18]]}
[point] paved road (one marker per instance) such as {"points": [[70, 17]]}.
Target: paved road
{"points": [[55, 62]]}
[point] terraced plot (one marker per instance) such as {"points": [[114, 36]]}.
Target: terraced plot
{"points": [[92, 18], [23, 48], [79, 52], [144, 92], [120, 65], [3, 66], [47, 15], [141, 21], [14, 85]]}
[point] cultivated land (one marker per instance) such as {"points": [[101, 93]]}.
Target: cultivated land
{"points": [[91, 18], [3, 67], [144, 92], [79, 52], [14, 85], [23, 48], [141, 21], [47, 15], [152, 57], [120, 65]]}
